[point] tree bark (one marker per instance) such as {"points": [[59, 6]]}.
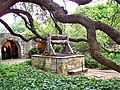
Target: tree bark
{"points": [[96, 54], [6, 4]]}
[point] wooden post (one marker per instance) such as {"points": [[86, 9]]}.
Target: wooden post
{"points": [[58, 39]]}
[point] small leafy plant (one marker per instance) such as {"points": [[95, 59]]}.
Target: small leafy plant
{"points": [[33, 51]]}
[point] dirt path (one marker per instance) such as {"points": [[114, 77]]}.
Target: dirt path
{"points": [[13, 61], [91, 72]]}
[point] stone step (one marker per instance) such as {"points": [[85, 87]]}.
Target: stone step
{"points": [[77, 71]]}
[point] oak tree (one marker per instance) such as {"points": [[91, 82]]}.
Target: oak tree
{"points": [[59, 14]]}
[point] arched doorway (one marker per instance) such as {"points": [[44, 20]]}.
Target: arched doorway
{"points": [[9, 50]]}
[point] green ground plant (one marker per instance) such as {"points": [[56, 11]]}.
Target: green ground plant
{"points": [[25, 77]]}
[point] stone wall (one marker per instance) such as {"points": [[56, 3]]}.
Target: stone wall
{"points": [[23, 47], [59, 65]]}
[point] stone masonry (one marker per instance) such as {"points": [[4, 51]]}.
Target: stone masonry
{"points": [[23, 47]]}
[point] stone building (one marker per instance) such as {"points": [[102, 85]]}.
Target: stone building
{"points": [[14, 46]]}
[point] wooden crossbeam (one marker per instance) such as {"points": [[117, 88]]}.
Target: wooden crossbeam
{"points": [[57, 39]]}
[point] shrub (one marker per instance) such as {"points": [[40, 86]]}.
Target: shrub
{"points": [[33, 51], [90, 62], [27, 62], [114, 57]]}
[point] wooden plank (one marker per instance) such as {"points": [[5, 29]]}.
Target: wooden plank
{"points": [[59, 37], [59, 41]]}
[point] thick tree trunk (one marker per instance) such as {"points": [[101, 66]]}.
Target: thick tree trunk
{"points": [[6, 4], [105, 61], [95, 53]]}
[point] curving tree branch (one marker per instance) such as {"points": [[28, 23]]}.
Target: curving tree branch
{"points": [[108, 30], [81, 2], [114, 17], [6, 4], [118, 1], [15, 34], [84, 2], [29, 25], [26, 23], [109, 51], [78, 40], [55, 22]]}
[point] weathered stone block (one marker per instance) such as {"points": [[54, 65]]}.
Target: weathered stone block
{"points": [[60, 65]]}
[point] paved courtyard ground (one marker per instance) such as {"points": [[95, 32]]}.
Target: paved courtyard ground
{"points": [[95, 73], [13, 61], [104, 74]]}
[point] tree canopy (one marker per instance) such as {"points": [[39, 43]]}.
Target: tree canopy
{"points": [[59, 14]]}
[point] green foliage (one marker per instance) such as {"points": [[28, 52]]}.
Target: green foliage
{"points": [[7, 70], [58, 48], [101, 12], [77, 31], [28, 62], [3, 30], [19, 27], [115, 57], [107, 13], [91, 63], [33, 51], [79, 48], [102, 38], [28, 78]]}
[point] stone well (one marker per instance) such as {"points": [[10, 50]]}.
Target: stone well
{"points": [[63, 64]]}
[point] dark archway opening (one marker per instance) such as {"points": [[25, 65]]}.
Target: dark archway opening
{"points": [[9, 50]]}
